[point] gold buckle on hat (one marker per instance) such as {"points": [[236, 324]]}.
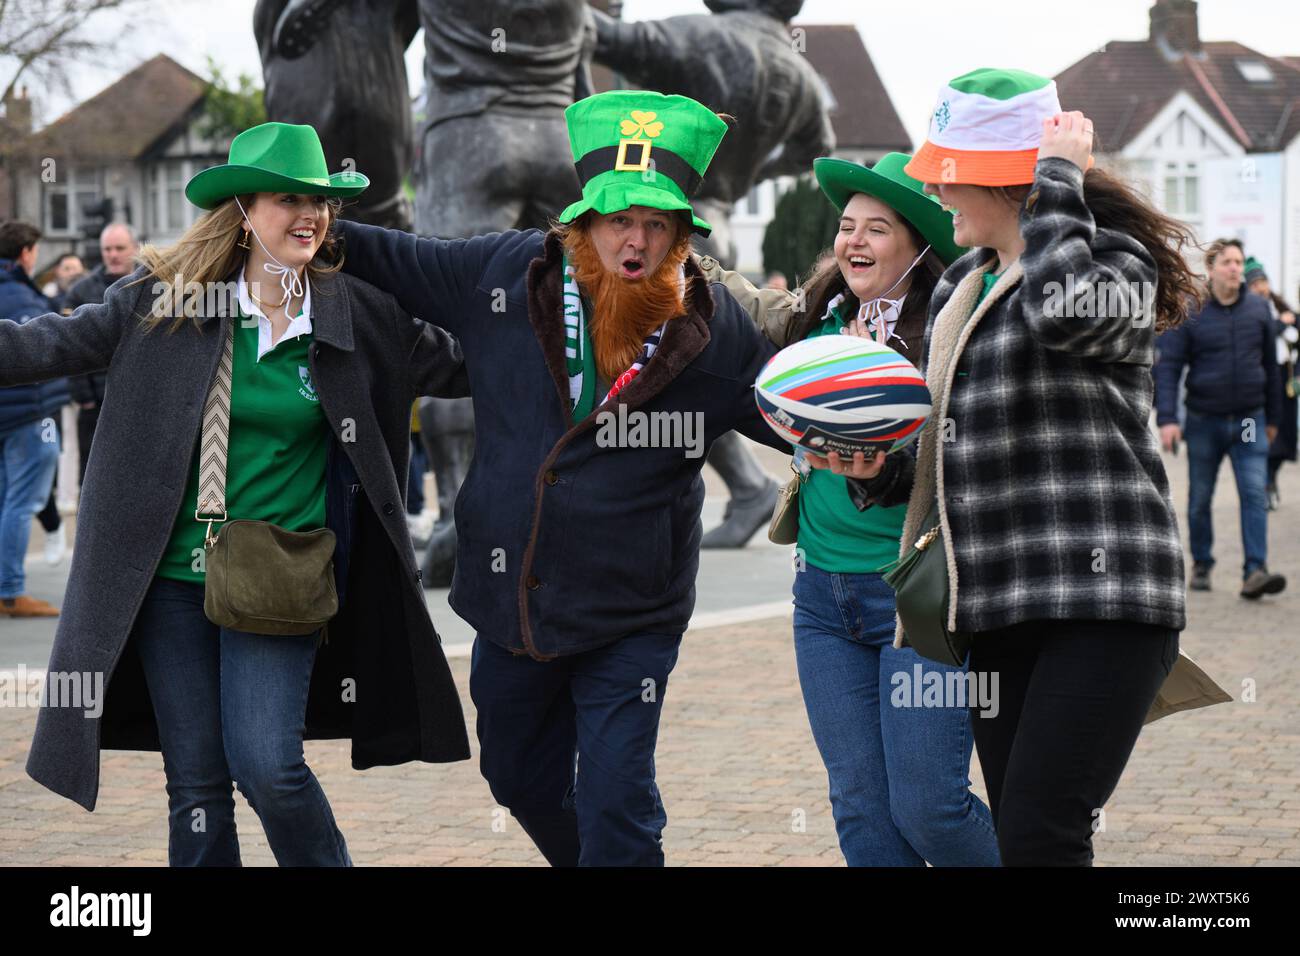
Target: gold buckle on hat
{"points": [[621, 165]]}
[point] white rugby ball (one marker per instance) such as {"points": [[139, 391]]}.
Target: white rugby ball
{"points": [[843, 393]]}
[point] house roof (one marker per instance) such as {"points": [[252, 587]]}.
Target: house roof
{"points": [[124, 120], [863, 115], [1123, 86]]}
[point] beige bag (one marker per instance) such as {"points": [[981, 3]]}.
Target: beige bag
{"points": [[1186, 688]]}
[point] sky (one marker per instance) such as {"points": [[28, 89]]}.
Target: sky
{"points": [[916, 47]]}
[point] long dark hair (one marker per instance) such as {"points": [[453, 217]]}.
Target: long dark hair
{"points": [[1117, 206], [827, 281]]}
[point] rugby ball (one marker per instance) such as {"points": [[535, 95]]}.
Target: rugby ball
{"points": [[843, 393]]}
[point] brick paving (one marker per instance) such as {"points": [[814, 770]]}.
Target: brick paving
{"points": [[740, 776]]}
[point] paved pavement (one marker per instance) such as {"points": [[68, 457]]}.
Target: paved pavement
{"points": [[741, 779]]}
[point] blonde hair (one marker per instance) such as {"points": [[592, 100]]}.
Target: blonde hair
{"points": [[209, 252]]}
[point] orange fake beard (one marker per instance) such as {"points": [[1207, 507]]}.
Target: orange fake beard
{"points": [[625, 311]]}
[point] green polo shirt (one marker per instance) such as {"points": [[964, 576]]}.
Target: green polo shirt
{"points": [[278, 444], [833, 534]]}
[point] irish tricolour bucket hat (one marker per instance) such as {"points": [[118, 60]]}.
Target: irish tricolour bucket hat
{"points": [[639, 148], [986, 128], [273, 158]]}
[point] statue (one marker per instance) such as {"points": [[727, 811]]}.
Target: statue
{"points": [[489, 68], [738, 60], [362, 112]]}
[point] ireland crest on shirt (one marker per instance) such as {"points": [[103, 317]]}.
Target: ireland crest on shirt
{"points": [[305, 388]]}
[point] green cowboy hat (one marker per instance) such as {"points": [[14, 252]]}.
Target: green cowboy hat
{"points": [[273, 158], [638, 148], [886, 181]]}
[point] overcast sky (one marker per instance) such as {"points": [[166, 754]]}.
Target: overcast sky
{"points": [[916, 46]]}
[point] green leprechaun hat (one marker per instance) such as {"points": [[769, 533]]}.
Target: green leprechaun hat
{"points": [[638, 148], [273, 158], [886, 181]]}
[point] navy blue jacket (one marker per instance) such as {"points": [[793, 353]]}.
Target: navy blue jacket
{"points": [[20, 405], [565, 542], [1231, 362]]}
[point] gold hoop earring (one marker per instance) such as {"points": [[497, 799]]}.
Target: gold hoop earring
{"points": [[243, 241]]}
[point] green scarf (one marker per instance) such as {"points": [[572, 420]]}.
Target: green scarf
{"points": [[578, 353]]}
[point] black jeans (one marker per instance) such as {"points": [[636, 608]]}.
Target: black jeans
{"points": [[1072, 697]]}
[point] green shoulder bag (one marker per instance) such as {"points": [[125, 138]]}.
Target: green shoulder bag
{"points": [[921, 592]]}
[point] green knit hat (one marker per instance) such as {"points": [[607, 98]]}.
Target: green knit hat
{"points": [[1254, 270], [638, 148], [886, 181], [273, 158]]}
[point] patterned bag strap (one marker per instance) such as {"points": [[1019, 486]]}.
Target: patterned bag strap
{"points": [[215, 443]]}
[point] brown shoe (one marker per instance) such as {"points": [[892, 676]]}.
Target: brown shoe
{"points": [[24, 605], [1261, 581]]}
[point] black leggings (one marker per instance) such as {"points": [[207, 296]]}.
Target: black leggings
{"points": [[1072, 696]]}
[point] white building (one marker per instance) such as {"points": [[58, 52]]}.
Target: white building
{"points": [[1211, 130]]}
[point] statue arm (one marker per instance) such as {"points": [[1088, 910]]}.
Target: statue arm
{"points": [[430, 278], [653, 52], [816, 138]]}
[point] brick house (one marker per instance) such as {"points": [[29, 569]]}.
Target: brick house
{"points": [[125, 153]]}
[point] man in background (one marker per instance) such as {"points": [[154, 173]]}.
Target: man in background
{"points": [[29, 440], [117, 249], [1233, 402]]}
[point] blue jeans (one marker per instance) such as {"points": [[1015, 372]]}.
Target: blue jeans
{"points": [[1209, 438], [899, 773], [27, 466], [231, 706], [599, 709]]}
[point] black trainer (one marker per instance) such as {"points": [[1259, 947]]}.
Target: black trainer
{"points": [[1200, 577]]}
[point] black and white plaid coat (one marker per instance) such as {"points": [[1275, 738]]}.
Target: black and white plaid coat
{"points": [[1053, 498]]}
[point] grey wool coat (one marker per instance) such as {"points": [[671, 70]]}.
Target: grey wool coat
{"points": [[368, 362]]}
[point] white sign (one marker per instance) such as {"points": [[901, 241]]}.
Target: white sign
{"points": [[1243, 200]]}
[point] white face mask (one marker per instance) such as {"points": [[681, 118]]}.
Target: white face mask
{"points": [[882, 312], [290, 281]]}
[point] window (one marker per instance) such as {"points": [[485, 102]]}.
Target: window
{"points": [[167, 194], [56, 209], [88, 191], [69, 204], [1182, 190], [1254, 71]]}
